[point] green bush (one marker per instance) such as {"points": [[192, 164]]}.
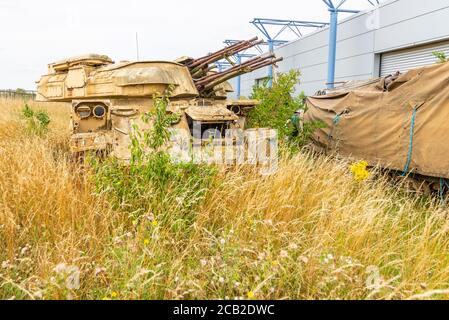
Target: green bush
{"points": [[37, 121], [278, 106], [152, 182]]}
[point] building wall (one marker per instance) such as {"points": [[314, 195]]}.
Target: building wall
{"points": [[361, 39]]}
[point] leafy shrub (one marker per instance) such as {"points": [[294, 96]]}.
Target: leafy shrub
{"points": [[441, 56], [277, 107], [152, 182], [37, 121], [277, 104]]}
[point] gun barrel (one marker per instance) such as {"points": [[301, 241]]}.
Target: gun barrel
{"points": [[206, 80], [246, 64], [198, 61], [237, 72], [201, 63]]}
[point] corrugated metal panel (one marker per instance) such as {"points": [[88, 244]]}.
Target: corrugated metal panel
{"points": [[405, 60]]}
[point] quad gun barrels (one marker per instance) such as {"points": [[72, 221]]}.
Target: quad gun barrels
{"points": [[203, 69]]}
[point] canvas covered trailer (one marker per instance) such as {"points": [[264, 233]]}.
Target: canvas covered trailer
{"points": [[399, 122]]}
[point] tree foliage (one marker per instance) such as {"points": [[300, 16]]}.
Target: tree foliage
{"points": [[277, 108]]}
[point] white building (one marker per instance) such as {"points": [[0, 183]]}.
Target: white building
{"points": [[398, 35]]}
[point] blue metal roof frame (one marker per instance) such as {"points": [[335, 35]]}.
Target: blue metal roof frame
{"points": [[272, 38], [262, 24], [335, 8]]}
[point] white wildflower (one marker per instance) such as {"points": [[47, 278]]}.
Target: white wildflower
{"points": [[6, 264], [38, 295], [149, 217], [24, 250], [284, 254], [117, 240], [304, 259]]}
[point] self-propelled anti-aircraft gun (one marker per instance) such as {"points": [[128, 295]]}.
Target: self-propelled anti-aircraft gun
{"points": [[108, 99]]}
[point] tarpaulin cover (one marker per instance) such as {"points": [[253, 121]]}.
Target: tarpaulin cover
{"points": [[400, 122]]}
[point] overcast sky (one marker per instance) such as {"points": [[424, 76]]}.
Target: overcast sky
{"points": [[35, 33]]}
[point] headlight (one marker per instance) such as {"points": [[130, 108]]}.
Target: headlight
{"points": [[99, 111], [236, 110], [83, 112]]}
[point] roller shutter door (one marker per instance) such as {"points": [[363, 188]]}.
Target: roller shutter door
{"points": [[411, 58]]}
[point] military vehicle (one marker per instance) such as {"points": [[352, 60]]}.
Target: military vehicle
{"points": [[398, 122], [108, 99]]}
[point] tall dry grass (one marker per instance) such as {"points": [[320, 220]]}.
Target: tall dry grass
{"points": [[310, 231]]}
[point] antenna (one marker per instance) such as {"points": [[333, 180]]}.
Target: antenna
{"points": [[137, 46]]}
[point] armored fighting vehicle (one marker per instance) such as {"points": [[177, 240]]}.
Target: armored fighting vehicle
{"points": [[108, 99]]}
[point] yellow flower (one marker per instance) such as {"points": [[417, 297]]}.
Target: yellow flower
{"points": [[114, 294], [359, 171], [251, 295], [146, 242], [154, 223]]}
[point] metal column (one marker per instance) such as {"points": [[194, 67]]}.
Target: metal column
{"points": [[332, 48], [270, 68], [334, 9], [239, 78]]}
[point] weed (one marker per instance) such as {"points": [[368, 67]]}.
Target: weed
{"points": [[441, 56], [37, 121], [152, 182]]}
